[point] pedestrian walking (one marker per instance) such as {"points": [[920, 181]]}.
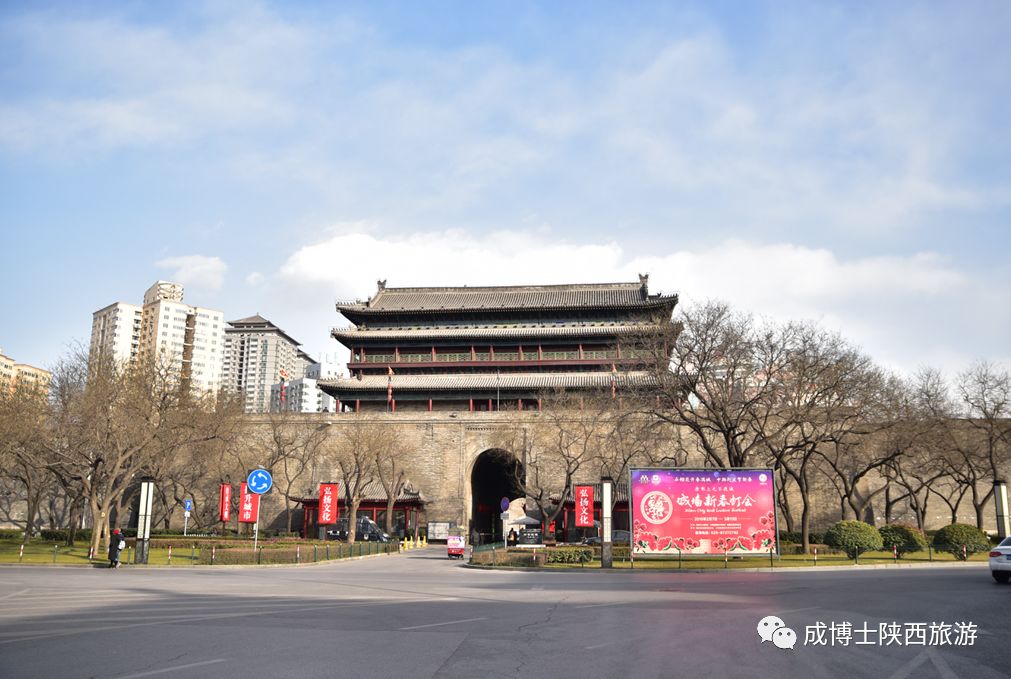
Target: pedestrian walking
{"points": [[117, 542]]}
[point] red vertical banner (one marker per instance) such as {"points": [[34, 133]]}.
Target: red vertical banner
{"points": [[225, 502], [249, 505], [584, 506], [327, 503]]}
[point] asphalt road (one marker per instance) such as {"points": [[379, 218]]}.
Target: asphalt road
{"points": [[420, 615]]}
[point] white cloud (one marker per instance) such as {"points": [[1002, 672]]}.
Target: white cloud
{"points": [[254, 278], [890, 305], [205, 273]]}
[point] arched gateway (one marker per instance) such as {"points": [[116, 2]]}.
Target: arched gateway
{"points": [[496, 474]]}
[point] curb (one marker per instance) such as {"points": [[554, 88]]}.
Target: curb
{"points": [[783, 569]]}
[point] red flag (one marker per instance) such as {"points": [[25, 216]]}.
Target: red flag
{"points": [[249, 505], [225, 502], [327, 503], [584, 506], [389, 385]]}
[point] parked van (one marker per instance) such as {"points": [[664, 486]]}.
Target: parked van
{"points": [[366, 530]]}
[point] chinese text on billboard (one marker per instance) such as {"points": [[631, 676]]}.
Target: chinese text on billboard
{"points": [[702, 511]]}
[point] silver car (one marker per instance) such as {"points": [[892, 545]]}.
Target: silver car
{"points": [[1000, 561]]}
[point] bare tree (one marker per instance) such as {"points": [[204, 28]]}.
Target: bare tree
{"points": [[289, 446], [719, 382], [356, 446], [985, 394], [391, 467]]}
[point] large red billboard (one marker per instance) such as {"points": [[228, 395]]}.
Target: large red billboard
{"points": [[225, 502], [584, 506], [327, 504], [702, 511], [249, 505]]}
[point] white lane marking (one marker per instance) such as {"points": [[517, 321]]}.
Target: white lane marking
{"points": [[614, 603], [8, 596], [440, 624], [197, 618], [172, 669], [609, 643]]}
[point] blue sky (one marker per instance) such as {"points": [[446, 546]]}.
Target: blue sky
{"points": [[841, 162]]}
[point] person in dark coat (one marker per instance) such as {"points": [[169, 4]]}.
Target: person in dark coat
{"points": [[116, 542]]}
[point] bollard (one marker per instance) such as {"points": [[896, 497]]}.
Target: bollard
{"points": [[726, 564], [91, 552], [54, 553], [21, 553], [815, 556], [170, 555], [214, 554], [964, 555], [193, 555], [895, 553], [298, 553]]}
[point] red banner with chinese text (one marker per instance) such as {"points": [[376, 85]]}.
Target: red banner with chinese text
{"points": [[584, 506], [225, 502], [327, 503], [249, 506]]}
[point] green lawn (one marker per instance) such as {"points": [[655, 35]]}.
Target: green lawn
{"points": [[183, 554]]}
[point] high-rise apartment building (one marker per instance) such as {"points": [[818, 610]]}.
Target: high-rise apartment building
{"points": [[115, 333], [303, 395], [186, 338], [14, 375], [258, 354]]}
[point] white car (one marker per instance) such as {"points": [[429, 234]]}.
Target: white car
{"points": [[1000, 561]]}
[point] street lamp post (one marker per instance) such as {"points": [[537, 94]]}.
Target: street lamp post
{"points": [[606, 548]]}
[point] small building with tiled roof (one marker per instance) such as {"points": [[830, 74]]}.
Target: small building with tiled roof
{"points": [[408, 509], [493, 348]]}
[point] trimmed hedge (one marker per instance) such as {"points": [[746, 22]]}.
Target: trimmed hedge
{"points": [[953, 538], [569, 554], [903, 537], [11, 533], [853, 537]]}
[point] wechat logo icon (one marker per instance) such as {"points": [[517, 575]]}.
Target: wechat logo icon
{"points": [[771, 628]]}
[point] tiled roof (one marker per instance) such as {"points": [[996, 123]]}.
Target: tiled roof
{"points": [[594, 295], [618, 488], [373, 491], [491, 332], [257, 323], [474, 381]]}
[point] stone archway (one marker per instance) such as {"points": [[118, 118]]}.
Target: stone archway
{"points": [[496, 474]]}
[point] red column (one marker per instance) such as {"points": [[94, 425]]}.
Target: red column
{"points": [[540, 353], [580, 351], [489, 404], [491, 352], [358, 404], [473, 356], [519, 404], [521, 352], [433, 353], [393, 405], [429, 405], [396, 354], [538, 404], [471, 405]]}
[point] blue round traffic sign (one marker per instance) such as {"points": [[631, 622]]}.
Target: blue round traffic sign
{"points": [[259, 481], [504, 504]]}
